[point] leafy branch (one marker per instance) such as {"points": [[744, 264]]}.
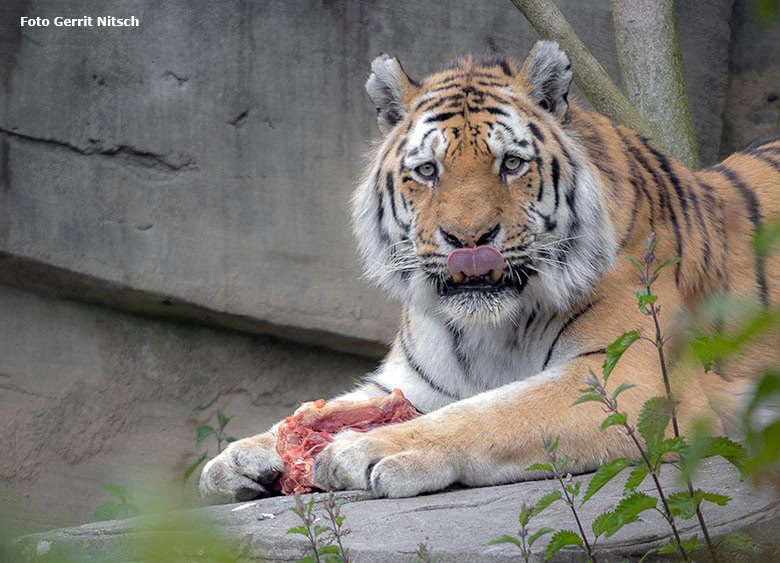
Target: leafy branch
{"points": [[203, 432]]}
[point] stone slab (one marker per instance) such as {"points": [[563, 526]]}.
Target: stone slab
{"points": [[456, 525]]}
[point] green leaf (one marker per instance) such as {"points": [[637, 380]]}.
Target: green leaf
{"points": [[563, 462], [539, 467], [601, 523], [107, 511], [739, 541], [332, 549], [545, 501], [637, 264], [691, 544], [575, 490], [615, 351], [669, 547], [203, 432], [720, 500], [635, 478], [538, 534], [223, 420], [506, 539], [653, 420], [604, 475], [554, 447], [665, 263], [702, 348], [524, 515], [682, 504], [561, 539], [194, 465], [766, 237], [731, 451], [620, 388], [121, 492], [643, 299], [585, 397], [675, 445], [307, 559], [298, 530], [628, 510], [615, 419], [231, 439], [321, 529]]}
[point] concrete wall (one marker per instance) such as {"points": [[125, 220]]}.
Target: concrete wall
{"points": [[170, 194], [90, 395]]}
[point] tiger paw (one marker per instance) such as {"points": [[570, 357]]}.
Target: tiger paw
{"points": [[244, 471], [379, 462]]}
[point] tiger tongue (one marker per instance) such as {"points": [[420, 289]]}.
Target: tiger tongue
{"points": [[474, 262]]}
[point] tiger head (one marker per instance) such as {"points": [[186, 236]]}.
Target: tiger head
{"points": [[478, 201]]}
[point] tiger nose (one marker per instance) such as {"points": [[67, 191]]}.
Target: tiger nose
{"points": [[462, 238]]}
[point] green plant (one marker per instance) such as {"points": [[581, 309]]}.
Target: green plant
{"points": [[425, 555], [325, 542], [122, 507], [204, 432], [654, 418], [570, 490]]}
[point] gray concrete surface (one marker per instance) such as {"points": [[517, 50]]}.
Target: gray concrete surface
{"points": [[455, 525], [89, 396]]}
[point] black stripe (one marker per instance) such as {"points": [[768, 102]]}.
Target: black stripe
{"points": [[664, 201], [566, 325], [705, 234], [384, 236], [667, 169], [763, 158], [437, 102], [489, 109], [443, 116], [540, 193], [632, 221], [418, 369], [591, 353], [536, 131], [754, 212], [465, 364], [760, 143], [556, 175], [382, 387], [391, 195], [530, 320], [400, 147]]}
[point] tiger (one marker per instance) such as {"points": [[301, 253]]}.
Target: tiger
{"points": [[495, 209]]}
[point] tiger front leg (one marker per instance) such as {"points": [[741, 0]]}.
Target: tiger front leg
{"points": [[491, 438]]}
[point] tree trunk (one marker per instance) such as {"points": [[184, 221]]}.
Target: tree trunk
{"points": [[603, 94], [650, 61]]}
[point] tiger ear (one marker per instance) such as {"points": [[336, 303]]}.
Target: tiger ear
{"points": [[547, 74], [390, 89]]}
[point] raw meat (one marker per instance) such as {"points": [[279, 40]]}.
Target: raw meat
{"points": [[306, 433]]}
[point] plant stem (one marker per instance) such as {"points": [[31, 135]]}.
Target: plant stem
{"points": [[659, 342], [570, 502], [668, 512], [333, 513]]}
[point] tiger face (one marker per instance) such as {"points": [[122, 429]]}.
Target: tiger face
{"points": [[478, 203]]}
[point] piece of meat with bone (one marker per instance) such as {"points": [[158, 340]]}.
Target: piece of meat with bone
{"points": [[306, 433]]}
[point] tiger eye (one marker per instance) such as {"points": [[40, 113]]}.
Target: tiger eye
{"points": [[426, 170], [512, 163]]}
